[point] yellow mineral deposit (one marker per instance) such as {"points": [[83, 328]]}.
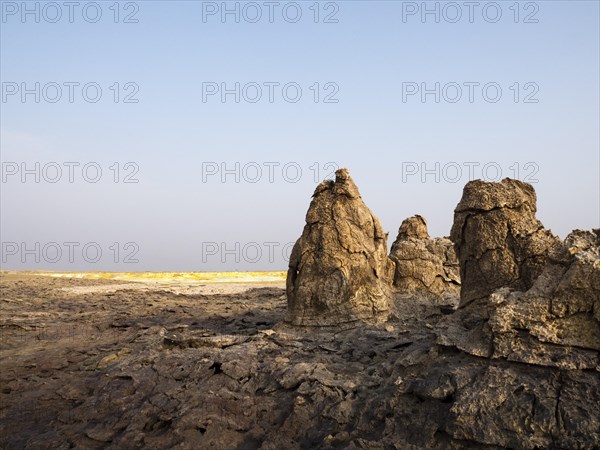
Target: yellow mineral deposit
{"points": [[174, 277]]}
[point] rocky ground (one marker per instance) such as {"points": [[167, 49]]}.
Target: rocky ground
{"points": [[92, 364]]}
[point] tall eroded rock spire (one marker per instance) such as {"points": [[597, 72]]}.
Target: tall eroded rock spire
{"points": [[339, 271], [498, 240]]}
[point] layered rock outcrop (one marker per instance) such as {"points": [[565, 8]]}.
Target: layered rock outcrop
{"points": [[543, 305], [424, 266], [531, 305], [557, 321], [339, 271], [498, 240]]}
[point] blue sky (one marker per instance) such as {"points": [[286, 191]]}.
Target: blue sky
{"points": [[179, 211]]}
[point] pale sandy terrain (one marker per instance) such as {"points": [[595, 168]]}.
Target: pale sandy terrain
{"points": [[190, 283]]}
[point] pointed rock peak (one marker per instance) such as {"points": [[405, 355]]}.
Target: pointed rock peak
{"points": [[413, 227], [344, 184], [323, 186], [425, 267], [339, 271]]}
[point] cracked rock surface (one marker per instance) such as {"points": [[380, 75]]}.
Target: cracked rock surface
{"points": [[166, 367], [424, 266], [339, 270], [498, 240]]}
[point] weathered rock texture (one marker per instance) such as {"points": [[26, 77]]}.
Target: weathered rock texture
{"points": [[425, 266], [339, 270], [557, 321], [541, 324], [498, 240], [554, 323], [531, 306], [545, 383], [97, 364]]}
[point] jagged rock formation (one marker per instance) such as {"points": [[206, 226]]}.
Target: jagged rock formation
{"points": [[339, 270], [424, 266], [541, 388], [554, 323], [498, 240], [539, 328], [557, 321]]}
